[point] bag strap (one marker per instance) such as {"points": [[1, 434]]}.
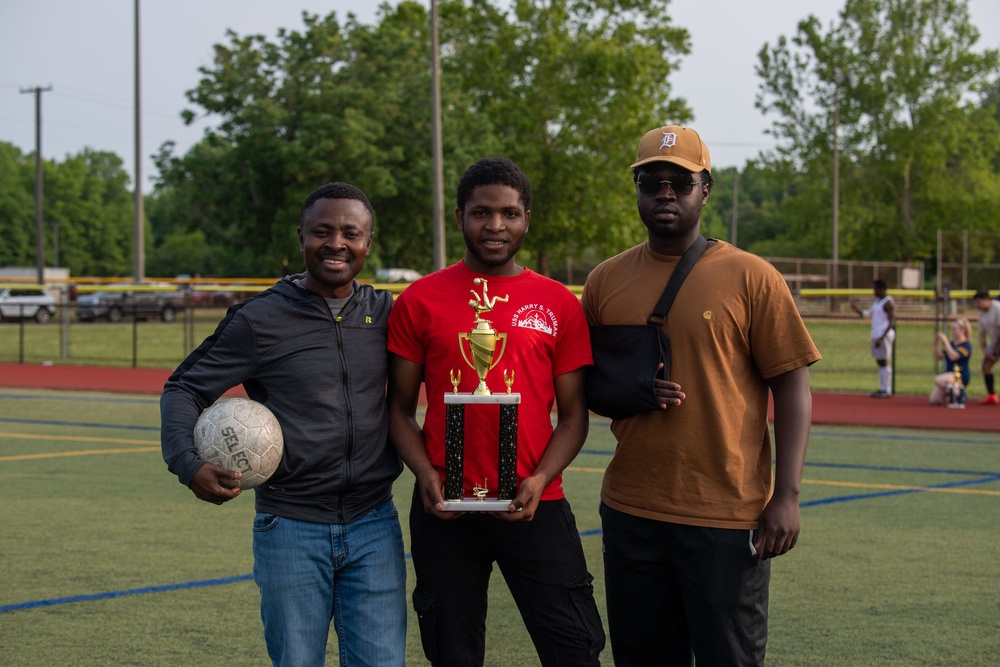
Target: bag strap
{"points": [[659, 315]]}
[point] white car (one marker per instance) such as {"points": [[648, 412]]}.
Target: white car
{"points": [[21, 302]]}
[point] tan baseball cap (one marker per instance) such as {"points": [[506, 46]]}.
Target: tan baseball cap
{"points": [[673, 143]]}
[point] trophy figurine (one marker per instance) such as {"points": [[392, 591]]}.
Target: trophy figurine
{"points": [[483, 341]]}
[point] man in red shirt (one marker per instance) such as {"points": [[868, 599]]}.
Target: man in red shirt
{"points": [[535, 542]]}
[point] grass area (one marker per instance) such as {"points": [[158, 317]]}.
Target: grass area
{"points": [[107, 560]]}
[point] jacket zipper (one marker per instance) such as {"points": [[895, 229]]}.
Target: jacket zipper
{"points": [[349, 404]]}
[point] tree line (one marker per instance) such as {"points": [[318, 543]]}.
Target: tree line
{"points": [[565, 89]]}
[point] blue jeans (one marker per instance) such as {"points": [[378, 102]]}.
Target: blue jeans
{"points": [[312, 573]]}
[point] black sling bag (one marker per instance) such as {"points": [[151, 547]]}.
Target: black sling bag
{"points": [[627, 356]]}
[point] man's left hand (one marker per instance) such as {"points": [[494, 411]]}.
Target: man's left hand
{"points": [[778, 528], [523, 507]]}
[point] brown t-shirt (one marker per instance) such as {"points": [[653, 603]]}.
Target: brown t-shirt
{"points": [[706, 462]]}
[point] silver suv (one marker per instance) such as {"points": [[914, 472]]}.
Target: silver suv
{"points": [[21, 302]]}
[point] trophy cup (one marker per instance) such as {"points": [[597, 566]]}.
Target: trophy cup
{"points": [[956, 390], [482, 356]]}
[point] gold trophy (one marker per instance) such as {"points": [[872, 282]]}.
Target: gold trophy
{"points": [[955, 389], [482, 338], [483, 341]]}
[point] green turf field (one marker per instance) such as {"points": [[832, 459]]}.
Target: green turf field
{"points": [[107, 560]]}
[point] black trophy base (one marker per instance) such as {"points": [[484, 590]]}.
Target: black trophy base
{"points": [[455, 452]]}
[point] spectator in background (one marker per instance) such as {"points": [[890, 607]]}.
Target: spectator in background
{"points": [[883, 317], [989, 340], [954, 353]]}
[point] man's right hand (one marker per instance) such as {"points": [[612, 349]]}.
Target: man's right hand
{"points": [[667, 393], [432, 494], [215, 484]]}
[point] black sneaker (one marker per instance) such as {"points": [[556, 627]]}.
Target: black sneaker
{"points": [[880, 394]]}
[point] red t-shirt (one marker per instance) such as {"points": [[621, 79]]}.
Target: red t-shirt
{"points": [[547, 336]]}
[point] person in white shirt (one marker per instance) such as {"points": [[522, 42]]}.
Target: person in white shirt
{"points": [[883, 317]]}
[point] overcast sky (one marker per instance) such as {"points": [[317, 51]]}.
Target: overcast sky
{"points": [[84, 50]]}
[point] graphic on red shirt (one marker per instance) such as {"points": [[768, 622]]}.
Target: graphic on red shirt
{"points": [[538, 317]]}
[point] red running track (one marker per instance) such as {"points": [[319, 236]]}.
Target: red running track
{"points": [[828, 408]]}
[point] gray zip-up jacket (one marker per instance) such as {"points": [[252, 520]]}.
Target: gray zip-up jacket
{"points": [[324, 380]]}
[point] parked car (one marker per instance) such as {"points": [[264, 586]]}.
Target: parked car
{"points": [[397, 275], [34, 302], [209, 295], [127, 301]]}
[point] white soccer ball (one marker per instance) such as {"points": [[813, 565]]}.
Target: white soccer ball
{"points": [[240, 434]]}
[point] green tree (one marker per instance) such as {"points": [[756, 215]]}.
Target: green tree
{"points": [[331, 102], [913, 139], [89, 195], [181, 253], [564, 88], [17, 206], [240, 184]]}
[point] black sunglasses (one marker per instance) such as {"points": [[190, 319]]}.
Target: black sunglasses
{"points": [[651, 185]]}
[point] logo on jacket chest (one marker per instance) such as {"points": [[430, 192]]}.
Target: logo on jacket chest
{"points": [[537, 317]]}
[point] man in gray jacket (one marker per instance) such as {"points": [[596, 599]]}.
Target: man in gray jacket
{"points": [[312, 349]]}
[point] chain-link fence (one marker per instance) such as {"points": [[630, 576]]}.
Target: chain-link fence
{"points": [[139, 340], [848, 366], [843, 340]]}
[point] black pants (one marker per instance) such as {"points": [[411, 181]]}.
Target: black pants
{"points": [[677, 593], [543, 564]]}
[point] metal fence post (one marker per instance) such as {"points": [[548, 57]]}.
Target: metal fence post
{"points": [[135, 336], [20, 329], [895, 347]]}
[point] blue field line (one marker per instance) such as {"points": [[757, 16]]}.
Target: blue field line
{"points": [[51, 602], [120, 594], [78, 399], [907, 438], [931, 471], [897, 492], [50, 422]]}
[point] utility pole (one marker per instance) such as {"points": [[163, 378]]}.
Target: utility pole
{"points": [[139, 253], [736, 207], [55, 243], [438, 152], [39, 230], [835, 241], [840, 77]]}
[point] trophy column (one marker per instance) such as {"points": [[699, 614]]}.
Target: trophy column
{"points": [[454, 454], [507, 478]]}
